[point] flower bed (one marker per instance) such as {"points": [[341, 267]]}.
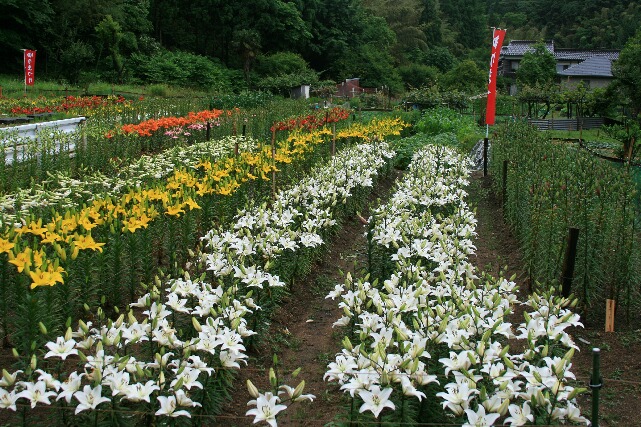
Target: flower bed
{"points": [[173, 353], [422, 327]]}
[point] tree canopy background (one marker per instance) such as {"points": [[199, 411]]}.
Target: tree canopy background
{"points": [[267, 44]]}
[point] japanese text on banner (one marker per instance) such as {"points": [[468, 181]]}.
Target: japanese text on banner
{"points": [[497, 42], [29, 67]]}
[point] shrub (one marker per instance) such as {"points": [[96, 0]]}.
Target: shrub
{"points": [[180, 69]]}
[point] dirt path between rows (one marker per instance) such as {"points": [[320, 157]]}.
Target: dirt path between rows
{"points": [[301, 332]]}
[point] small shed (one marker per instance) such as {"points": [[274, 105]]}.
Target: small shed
{"points": [[351, 88], [301, 91]]}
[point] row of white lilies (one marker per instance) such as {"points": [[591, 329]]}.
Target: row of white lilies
{"points": [[61, 191], [433, 329], [171, 352]]}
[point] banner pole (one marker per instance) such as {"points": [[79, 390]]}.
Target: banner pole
{"points": [[24, 71]]}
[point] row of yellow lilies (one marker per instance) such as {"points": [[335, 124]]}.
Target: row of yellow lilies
{"points": [[38, 249]]}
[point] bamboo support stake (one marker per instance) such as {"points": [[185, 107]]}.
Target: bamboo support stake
{"points": [[610, 306]]}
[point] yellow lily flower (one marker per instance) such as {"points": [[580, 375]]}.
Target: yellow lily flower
{"points": [[21, 260], [43, 278], [175, 210], [192, 204], [87, 242], [5, 245]]}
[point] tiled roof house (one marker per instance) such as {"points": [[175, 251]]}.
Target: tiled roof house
{"points": [[593, 67]]}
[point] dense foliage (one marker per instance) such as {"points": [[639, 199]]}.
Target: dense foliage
{"points": [[550, 188], [220, 45]]}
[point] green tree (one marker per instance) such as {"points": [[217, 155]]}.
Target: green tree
{"points": [[536, 95], [20, 24], [110, 34], [627, 73], [247, 43], [404, 18], [465, 77], [281, 71], [369, 57], [431, 22], [417, 75], [537, 68]]}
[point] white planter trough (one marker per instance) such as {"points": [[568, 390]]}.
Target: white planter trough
{"points": [[25, 141]]}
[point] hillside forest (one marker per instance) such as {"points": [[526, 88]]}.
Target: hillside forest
{"points": [[225, 46]]}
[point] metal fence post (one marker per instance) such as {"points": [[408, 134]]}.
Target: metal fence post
{"points": [[595, 384]]}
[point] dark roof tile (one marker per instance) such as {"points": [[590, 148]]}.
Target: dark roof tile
{"points": [[595, 66]]}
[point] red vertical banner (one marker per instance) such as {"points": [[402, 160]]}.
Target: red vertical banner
{"points": [[497, 41], [29, 67]]}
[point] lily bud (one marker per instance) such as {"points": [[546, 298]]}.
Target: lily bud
{"points": [[504, 406], [272, 378], [568, 356], [347, 344], [7, 378], [197, 326], [179, 383], [97, 376], [119, 321], [299, 389], [576, 392], [253, 391]]}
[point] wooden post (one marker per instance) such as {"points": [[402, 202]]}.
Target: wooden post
{"points": [[208, 133], [610, 306], [84, 134], [485, 145], [568, 263], [274, 163], [333, 139]]}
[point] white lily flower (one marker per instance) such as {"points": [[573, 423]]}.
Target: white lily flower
{"points": [[519, 415], [35, 393], [267, 407], [168, 406], [8, 399], [61, 348], [375, 400], [89, 398], [480, 418]]}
